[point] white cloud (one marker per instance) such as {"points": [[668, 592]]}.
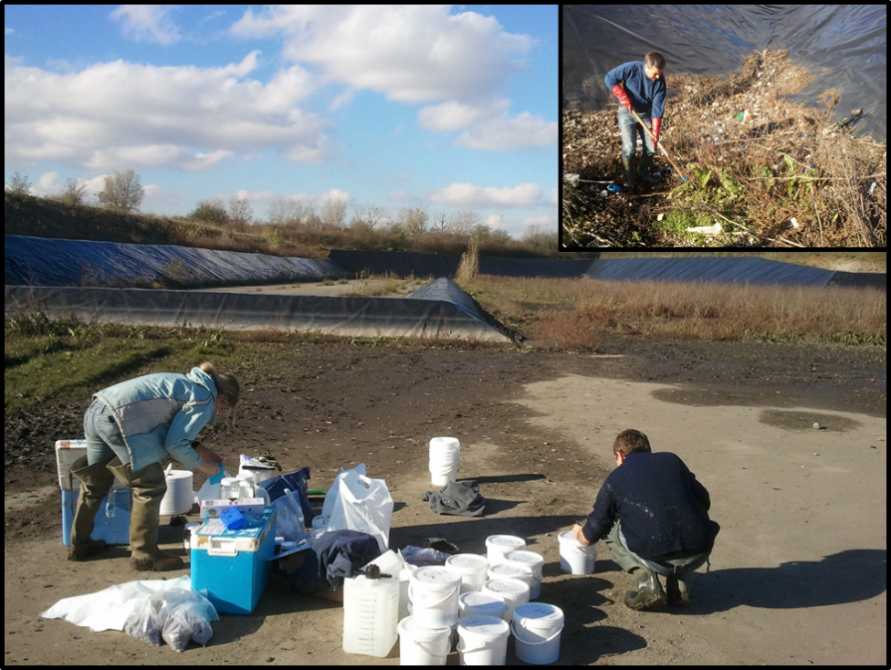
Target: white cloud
{"points": [[147, 23], [501, 133], [410, 53], [144, 115], [468, 195], [554, 198], [333, 195], [454, 115], [46, 183]]}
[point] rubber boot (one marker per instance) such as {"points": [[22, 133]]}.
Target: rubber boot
{"points": [[148, 487], [676, 587], [95, 483], [649, 591], [646, 162], [629, 172]]}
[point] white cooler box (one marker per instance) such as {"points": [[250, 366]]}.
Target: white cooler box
{"points": [[113, 520]]}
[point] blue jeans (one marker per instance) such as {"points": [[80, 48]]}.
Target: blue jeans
{"points": [[628, 126], [104, 439]]}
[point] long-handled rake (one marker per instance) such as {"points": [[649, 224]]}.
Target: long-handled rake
{"points": [[659, 144]]}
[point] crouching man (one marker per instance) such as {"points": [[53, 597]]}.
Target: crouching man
{"points": [[653, 515]]}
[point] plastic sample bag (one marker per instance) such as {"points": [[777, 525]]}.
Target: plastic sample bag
{"points": [[291, 481], [362, 504], [289, 522], [174, 615]]}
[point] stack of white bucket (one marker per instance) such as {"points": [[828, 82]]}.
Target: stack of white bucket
{"points": [[444, 455]]}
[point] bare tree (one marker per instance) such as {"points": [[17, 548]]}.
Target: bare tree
{"points": [[19, 184], [240, 213], [334, 213], [368, 215], [465, 221], [416, 220], [441, 221], [122, 191]]}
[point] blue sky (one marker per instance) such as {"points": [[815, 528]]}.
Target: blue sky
{"points": [[447, 108]]}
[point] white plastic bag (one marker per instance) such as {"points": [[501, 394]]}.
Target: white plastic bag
{"points": [[361, 504], [331, 496], [175, 615], [289, 521]]}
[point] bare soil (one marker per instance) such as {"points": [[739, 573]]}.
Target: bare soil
{"points": [[797, 576]]}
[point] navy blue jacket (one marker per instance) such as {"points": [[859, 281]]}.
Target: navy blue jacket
{"points": [[660, 504], [646, 96]]}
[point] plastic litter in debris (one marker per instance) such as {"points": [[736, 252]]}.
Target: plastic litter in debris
{"points": [[613, 189], [795, 222]]}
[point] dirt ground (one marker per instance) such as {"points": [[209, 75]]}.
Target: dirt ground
{"points": [[798, 574]]}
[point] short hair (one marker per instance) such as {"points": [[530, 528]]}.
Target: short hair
{"points": [[629, 441], [655, 59]]}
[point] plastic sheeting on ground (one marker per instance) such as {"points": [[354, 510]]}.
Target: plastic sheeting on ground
{"points": [[40, 261], [350, 316]]}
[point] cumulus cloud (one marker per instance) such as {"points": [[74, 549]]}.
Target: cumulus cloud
{"points": [[410, 53], [147, 23], [143, 115], [501, 133], [470, 196], [554, 197]]}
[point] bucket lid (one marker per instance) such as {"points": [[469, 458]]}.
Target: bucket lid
{"points": [[466, 563], [491, 603], [409, 628], [179, 474], [567, 536], [485, 625], [506, 542], [538, 615], [529, 558], [507, 587], [511, 570], [436, 577]]}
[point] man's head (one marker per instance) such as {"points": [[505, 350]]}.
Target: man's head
{"points": [[654, 63], [629, 441]]}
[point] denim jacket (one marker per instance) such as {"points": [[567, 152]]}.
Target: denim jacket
{"points": [[160, 414]]}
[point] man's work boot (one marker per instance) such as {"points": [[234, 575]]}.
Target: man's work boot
{"points": [[95, 483], [676, 587], [646, 162], [628, 163], [148, 487], [649, 591]]}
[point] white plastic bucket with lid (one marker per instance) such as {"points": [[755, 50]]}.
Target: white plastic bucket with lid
{"points": [[179, 497], [433, 592], [444, 455], [482, 640], [404, 581], [536, 628], [471, 567], [513, 591], [423, 646], [575, 557], [499, 545], [535, 562], [477, 602], [519, 571]]}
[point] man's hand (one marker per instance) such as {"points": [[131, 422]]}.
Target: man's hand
{"points": [[207, 454], [656, 125], [579, 535], [620, 94]]}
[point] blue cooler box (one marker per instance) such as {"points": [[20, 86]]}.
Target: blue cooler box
{"points": [[233, 565], [113, 519]]}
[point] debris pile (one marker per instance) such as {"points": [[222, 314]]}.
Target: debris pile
{"points": [[760, 171]]}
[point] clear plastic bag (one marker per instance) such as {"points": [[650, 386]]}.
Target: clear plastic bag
{"points": [[361, 504], [174, 615], [289, 522]]}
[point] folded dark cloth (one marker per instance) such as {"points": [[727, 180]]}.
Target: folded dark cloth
{"points": [[335, 555], [460, 498]]}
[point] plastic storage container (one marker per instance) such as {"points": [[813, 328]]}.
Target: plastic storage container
{"points": [[472, 569], [233, 565], [483, 640], [534, 562], [575, 557], [433, 592], [499, 545], [444, 455], [477, 602], [370, 611], [423, 646], [513, 591], [537, 628]]}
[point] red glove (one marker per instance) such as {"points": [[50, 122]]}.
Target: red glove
{"points": [[620, 94], [656, 124]]}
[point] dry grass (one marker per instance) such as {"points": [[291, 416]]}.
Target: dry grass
{"points": [[469, 267]]}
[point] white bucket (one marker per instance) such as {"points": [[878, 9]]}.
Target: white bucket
{"points": [[179, 497], [513, 591], [508, 570], [534, 562], [423, 646], [404, 581], [575, 557], [444, 455], [477, 602], [471, 567], [499, 545], [536, 628], [483, 640], [433, 592]]}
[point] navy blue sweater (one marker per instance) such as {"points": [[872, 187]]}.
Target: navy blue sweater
{"points": [[660, 504], [646, 96]]}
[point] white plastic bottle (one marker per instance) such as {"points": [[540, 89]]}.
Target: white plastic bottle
{"points": [[370, 613]]}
